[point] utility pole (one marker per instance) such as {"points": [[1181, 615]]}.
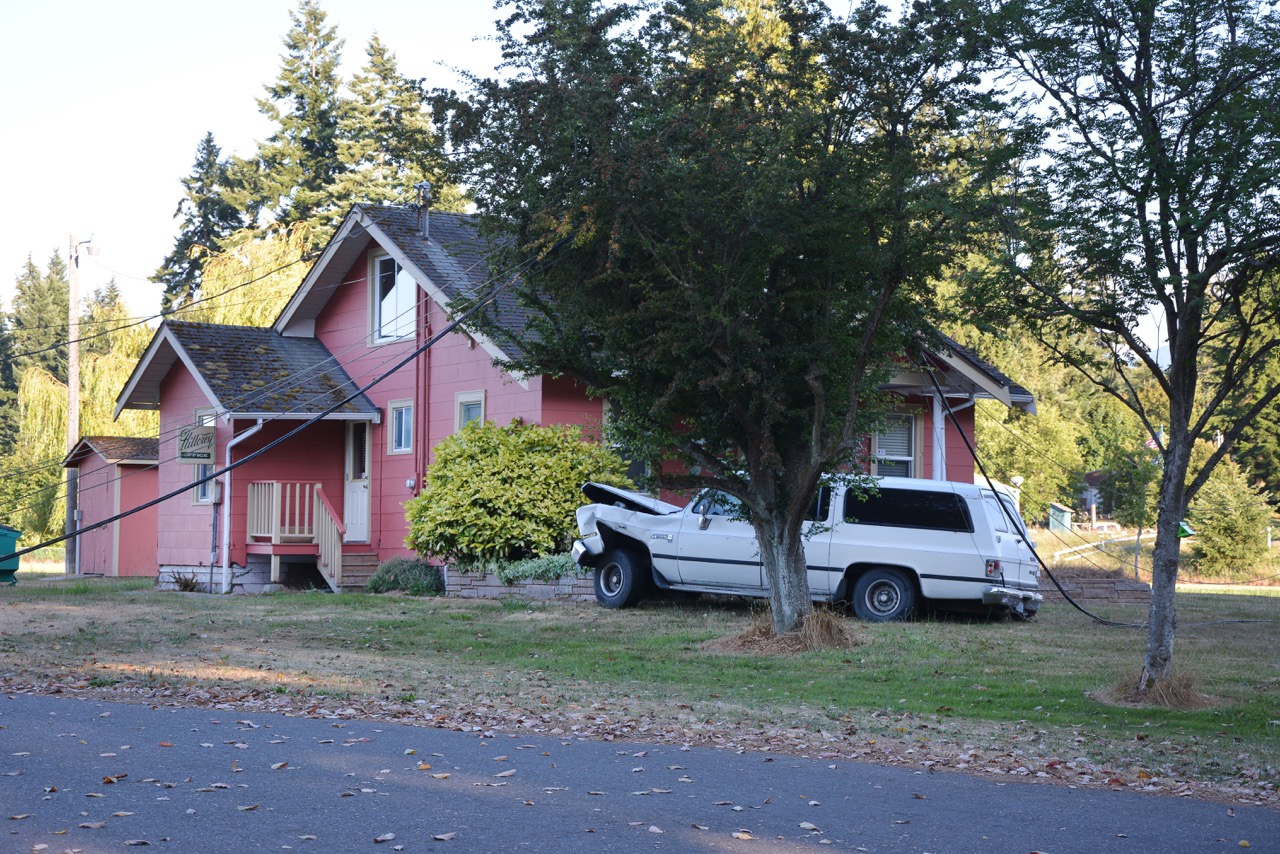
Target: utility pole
{"points": [[73, 398]]}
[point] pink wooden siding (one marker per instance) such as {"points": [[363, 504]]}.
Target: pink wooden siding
{"points": [[97, 500], [135, 542], [185, 538]]}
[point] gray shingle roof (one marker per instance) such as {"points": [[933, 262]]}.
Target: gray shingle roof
{"points": [[257, 370], [115, 449]]}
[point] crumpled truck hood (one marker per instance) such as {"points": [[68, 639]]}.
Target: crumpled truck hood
{"points": [[612, 496]]}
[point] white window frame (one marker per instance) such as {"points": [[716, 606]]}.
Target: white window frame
{"points": [[405, 325], [202, 493], [394, 410], [463, 399], [909, 460]]}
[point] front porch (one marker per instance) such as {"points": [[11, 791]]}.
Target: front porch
{"points": [[287, 519]]}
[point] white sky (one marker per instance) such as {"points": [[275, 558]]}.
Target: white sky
{"points": [[105, 103]]}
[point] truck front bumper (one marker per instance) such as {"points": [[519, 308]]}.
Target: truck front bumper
{"points": [[1022, 602], [585, 552]]}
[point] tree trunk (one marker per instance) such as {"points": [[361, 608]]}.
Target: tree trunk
{"points": [[785, 572], [1162, 620]]}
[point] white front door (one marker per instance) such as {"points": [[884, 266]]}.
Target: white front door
{"points": [[355, 505]]}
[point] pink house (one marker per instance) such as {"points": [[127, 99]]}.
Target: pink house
{"points": [[326, 504], [115, 473]]}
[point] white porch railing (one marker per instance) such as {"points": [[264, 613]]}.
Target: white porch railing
{"points": [[295, 512], [329, 534]]}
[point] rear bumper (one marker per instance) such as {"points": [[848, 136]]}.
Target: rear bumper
{"points": [[1021, 601]]}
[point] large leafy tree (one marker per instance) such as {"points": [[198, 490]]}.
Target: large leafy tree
{"points": [[208, 217], [292, 178], [1161, 193], [749, 200]]}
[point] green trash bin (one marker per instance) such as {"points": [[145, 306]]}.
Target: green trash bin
{"points": [[9, 545]]}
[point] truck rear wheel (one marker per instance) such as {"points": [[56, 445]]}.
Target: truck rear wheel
{"points": [[884, 595]]}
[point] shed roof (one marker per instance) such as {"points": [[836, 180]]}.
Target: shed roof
{"points": [[130, 450]]}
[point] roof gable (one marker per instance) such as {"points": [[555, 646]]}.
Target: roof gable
{"points": [[450, 263], [246, 372], [127, 450]]}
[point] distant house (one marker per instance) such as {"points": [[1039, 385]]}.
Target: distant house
{"points": [[326, 505], [116, 473]]}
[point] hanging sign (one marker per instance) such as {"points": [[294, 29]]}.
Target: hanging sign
{"points": [[196, 443]]}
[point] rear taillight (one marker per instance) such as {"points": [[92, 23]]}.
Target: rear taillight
{"points": [[993, 568]]}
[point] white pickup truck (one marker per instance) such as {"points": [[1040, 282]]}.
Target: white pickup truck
{"points": [[884, 551]]}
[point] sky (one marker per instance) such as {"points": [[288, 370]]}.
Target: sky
{"points": [[105, 103]]}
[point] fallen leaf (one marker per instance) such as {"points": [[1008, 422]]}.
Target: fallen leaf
{"points": [[248, 808], [279, 765], [508, 773], [918, 796], [93, 825], [444, 837], [424, 766], [162, 744], [804, 825], [698, 826], [138, 841], [20, 816], [308, 838], [411, 752], [441, 776], [94, 795], [742, 834], [121, 814], [386, 837], [653, 828]]}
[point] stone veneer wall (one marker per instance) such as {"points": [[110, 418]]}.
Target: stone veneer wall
{"points": [[1098, 591], [474, 585]]}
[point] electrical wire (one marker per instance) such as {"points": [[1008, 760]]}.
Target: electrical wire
{"points": [[450, 327]]}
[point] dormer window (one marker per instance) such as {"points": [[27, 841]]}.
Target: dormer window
{"points": [[394, 299]]}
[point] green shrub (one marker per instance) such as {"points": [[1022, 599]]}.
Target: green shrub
{"points": [[506, 492], [1230, 520], [544, 568], [415, 577]]}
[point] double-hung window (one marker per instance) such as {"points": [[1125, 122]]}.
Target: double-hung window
{"points": [[400, 427], [895, 447], [202, 493], [394, 301]]}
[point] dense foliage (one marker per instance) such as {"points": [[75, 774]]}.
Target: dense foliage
{"points": [[506, 492], [749, 201], [415, 577]]}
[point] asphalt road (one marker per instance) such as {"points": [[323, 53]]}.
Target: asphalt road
{"points": [[89, 776]]}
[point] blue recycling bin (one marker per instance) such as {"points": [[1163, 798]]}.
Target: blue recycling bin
{"points": [[9, 545]]}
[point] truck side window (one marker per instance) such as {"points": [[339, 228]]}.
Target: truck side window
{"points": [[908, 508]]}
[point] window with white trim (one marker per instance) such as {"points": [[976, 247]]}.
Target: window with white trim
{"points": [[202, 493], [469, 407], [895, 453], [400, 427], [393, 298]]}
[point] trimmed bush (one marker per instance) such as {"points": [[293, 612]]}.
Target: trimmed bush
{"points": [[415, 577], [506, 492]]}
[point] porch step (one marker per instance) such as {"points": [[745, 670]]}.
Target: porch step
{"points": [[356, 570]]}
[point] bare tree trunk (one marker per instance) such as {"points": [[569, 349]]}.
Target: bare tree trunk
{"points": [[1162, 621], [785, 573]]}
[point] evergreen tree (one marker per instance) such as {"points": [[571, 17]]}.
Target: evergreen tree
{"points": [[8, 390], [387, 142], [104, 320], [40, 318], [293, 176], [207, 216]]}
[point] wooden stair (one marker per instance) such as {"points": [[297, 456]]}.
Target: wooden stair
{"points": [[356, 570]]}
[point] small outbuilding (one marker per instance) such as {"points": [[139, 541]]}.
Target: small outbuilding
{"points": [[116, 473]]}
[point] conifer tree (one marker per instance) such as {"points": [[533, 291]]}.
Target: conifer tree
{"points": [[40, 318], [208, 216], [292, 177], [387, 143]]}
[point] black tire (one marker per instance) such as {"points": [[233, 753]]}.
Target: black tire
{"points": [[621, 578], [883, 596]]}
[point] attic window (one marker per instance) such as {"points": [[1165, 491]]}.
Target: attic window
{"points": [[394, 301]]}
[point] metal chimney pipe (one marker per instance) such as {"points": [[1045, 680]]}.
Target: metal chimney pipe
{"points": [[424, 208]]}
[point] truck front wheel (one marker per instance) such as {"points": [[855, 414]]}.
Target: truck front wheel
{"points": [[620, 579]]}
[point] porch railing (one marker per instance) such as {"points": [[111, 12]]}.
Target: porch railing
{"points": [[296, 513], [329, 534], [282, 511]]}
